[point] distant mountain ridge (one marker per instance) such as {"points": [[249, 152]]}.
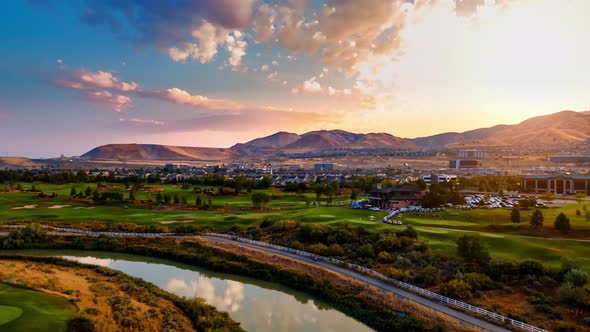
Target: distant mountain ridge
{"points": [[556, 129], [157, 152]]}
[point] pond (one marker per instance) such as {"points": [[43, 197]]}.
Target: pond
{"points": [[257, 305]]}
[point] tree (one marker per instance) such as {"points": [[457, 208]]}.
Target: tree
{"points": [[176, 199], [199, 201], [131, 195], [260, 199], [158, 198], [73, 191], [515, 214], [580, 197], [88, 192], [548, 196], [587, 215], [562, 223], [537, 219], [472, 251]]}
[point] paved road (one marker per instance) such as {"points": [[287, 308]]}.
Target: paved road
{"points": [[434, 305]]}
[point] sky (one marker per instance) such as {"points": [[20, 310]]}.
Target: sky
{"points": [[77, 74]]}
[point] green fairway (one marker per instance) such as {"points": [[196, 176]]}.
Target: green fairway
{"points": [[27, 310], [514, 247], [9, 313]]}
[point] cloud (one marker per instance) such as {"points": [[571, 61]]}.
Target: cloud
{"points": [[139, 121], [179, 96], [183, 29], [309, 86], [102, 88]]}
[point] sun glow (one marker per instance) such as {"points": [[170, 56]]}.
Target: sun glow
{"points": [[511, 62]]}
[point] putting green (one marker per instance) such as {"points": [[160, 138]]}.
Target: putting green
{"points": [[9, 313], [24, 309]]}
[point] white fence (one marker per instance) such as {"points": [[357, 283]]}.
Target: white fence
{"points": [[418, 290], [93, 233]]}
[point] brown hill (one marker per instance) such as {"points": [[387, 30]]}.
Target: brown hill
{"points": [[551, 130], [18, 163], [268, 144], [158, 152]]}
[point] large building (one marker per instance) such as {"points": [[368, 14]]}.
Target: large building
{"points": [[437, 178], [557, 183], [472, 154], [462, 163], [395, 197]]}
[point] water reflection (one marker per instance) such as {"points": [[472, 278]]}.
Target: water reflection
{"points": [[258, 306]]}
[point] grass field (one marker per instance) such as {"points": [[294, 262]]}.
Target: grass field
{"points": [[27, 310], [502, 238]]}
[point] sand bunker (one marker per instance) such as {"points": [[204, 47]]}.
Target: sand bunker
{"points": [[57, 206], [25, 207], [166, 222]]}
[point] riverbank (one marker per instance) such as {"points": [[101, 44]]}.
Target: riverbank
{"points": [[379, 311], [108, 300]]}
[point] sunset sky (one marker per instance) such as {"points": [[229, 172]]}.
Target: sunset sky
{"points": [[78, 74]]}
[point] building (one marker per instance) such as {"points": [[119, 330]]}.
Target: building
{"points": [[323, 167], [464, 163], [472, 154], [395, 197], [570, 159], [557, 183], [436, 178]]}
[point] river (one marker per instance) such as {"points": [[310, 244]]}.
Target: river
{"points": [[257, 305]]}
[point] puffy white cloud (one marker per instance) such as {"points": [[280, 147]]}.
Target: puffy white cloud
{"points": [[309, 86], [236, 47], [179, 96], [101, 88]]}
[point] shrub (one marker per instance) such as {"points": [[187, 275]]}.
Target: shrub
{"points": [[385, 257], [478, 281], [457, 289], [576, 277], [366, 251], [319, 249]]}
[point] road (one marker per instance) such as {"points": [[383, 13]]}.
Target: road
{"points": [[434, 305]]}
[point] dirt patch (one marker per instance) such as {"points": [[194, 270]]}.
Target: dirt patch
{"points": [[57, 206], [25, 207], [166, 222]]}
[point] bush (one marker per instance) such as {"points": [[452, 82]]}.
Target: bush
{"points": [[457, 289], [428, 276], [366, 251], [576, 277], [478, 281], [385, 257], [572, 295], [530, 267], [319, 249]]}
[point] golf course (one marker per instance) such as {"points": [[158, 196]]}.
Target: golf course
{"points": [[502, 238], [23, 309]]}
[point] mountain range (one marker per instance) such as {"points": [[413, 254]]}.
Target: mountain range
{"points": [[558, 129]]}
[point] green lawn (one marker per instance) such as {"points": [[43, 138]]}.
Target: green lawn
{"points": [[519, 248], [27, 310], [502, 238]]}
